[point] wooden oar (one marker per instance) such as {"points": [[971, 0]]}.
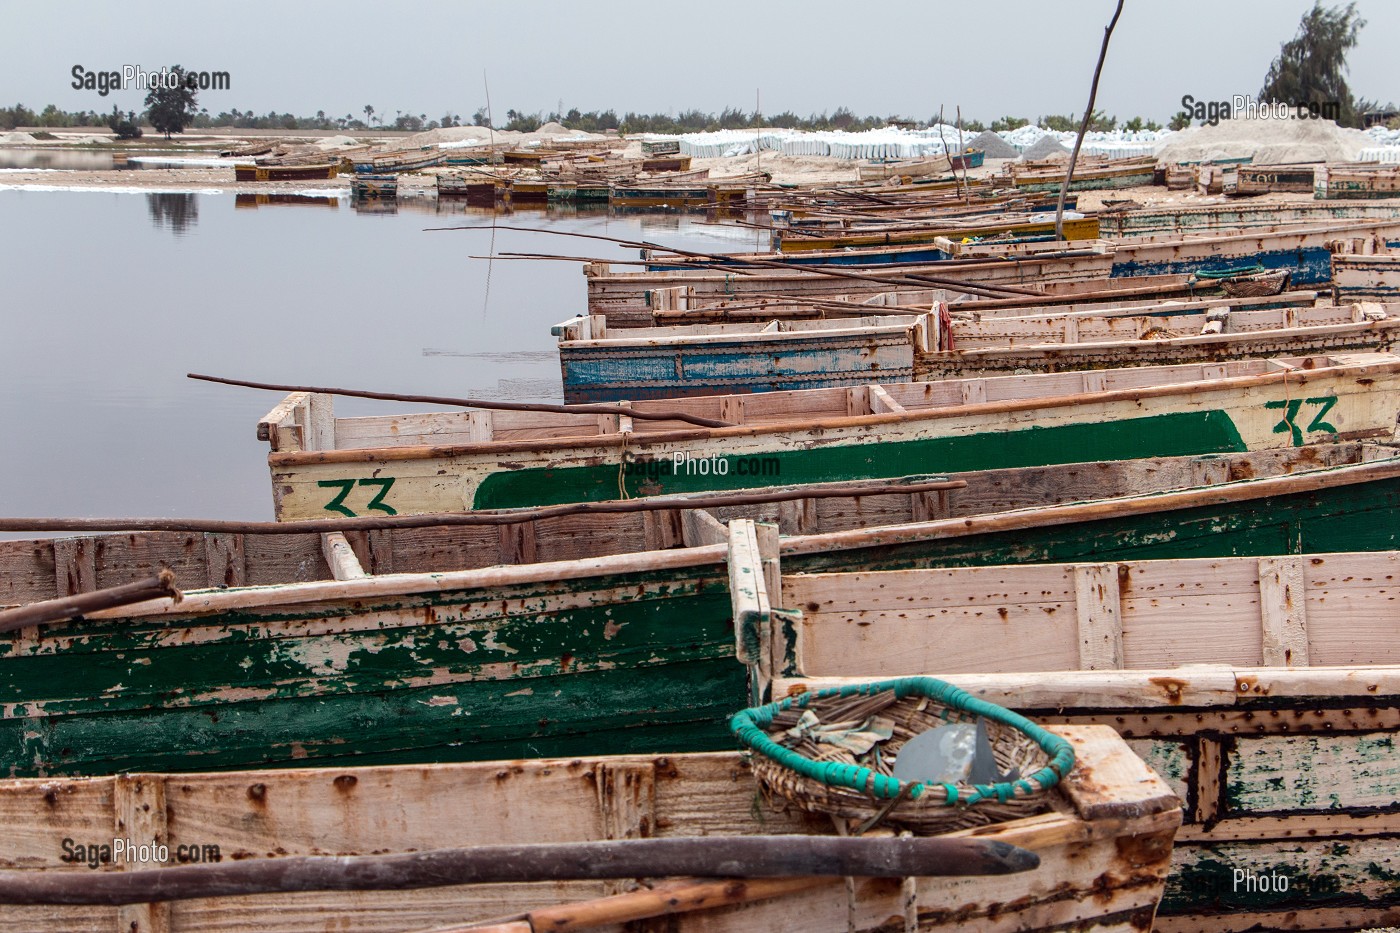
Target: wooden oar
{"points": [[474, 402], [702, 857], [750, 266], [678, 897], [68, 607]]}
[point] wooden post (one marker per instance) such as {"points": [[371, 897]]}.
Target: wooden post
{"points": [[1084, 125]]}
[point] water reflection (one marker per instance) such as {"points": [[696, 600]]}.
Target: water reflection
{"points": [[179, 212], [264, 200]]}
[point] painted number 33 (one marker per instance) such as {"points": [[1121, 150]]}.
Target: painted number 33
{"points": [[376, 504], [1292, 408]]}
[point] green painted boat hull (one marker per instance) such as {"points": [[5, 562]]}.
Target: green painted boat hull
{"points": [[1168, 435], [627, 662]]}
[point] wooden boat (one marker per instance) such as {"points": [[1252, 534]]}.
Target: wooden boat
{"points": [[791, 241], [325, 466], [623, 297], [882, 169], [404, 645], [578, 191], [1237, 215], [527, 191], [1266, 690], [1338, 182], [972, 158], [1303, 251], [285, 172], [1263, 179], [715, 359], [1104, 845], [374, 186], [1168, 295], [666, 163], [478, 191], [407, 160], [650, 196], [1115, 173], [1360, 276]]}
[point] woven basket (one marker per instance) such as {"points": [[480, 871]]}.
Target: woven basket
{"points": [[834, 782]]}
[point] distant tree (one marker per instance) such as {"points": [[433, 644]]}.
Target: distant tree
{"points": [[172, 108], [1310, 67], [1059, 123], [481, 118], [1134, 125], [1006, 124], [1101, 122], [973, 126], [126, 126], [369, 114], [1179, 121]]}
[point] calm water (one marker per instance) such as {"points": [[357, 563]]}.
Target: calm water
{"points": [[110, 298]]}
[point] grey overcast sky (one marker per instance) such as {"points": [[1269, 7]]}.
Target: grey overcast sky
{"points": [[1003, 57]]}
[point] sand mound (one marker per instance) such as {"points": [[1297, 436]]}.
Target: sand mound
{"points": [[554, 129], [1270, 142], [17, 139], [1047, 147], [993, 145]]}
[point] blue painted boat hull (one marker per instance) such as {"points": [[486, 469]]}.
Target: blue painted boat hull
{"points": [[746, 364]]}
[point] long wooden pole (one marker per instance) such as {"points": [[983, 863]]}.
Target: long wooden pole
{"points": [[750, 266], [1084, 124], [68, 607], [702, 857], [474, 402], [484, 517], [677, 897]]}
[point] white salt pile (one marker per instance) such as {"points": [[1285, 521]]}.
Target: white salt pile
{"points": [[993, 145], [17, 139], [337, 142], [1269, 142]]}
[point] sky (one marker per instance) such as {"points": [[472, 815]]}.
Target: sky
{"points": [[1008, 57]]}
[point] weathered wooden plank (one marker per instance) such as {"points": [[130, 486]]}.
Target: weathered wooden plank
{"points": [[75, 568], [139, 802], [1281, 601], [1120, 786], [1282, 773], [748, 591], [226, 560], [1097, 612]]}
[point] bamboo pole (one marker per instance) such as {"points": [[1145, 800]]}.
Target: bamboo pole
{"points": [[483, 517], [1084, 124], [704, 857], [68, 607], [474, 402]]}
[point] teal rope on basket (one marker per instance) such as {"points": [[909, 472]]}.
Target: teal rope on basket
{"points": [[748, 726]]}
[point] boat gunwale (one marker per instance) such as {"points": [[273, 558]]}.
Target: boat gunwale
{"points": [[1299, 376], [1067, 513]]}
